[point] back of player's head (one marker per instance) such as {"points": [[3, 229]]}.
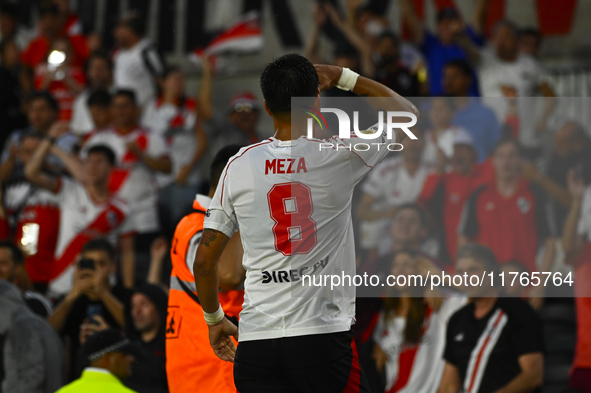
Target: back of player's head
{"points": [[289, 76], [105, 151], [100, 244], [16, 254], [100, 98], [130, 94], [479, 253], [219, 163]]}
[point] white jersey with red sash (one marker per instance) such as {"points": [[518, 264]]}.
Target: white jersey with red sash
{"points": [[415, 368], [132, 180], [81, 220]]}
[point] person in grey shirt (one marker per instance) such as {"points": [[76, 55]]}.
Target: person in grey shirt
{"points": [[32, 352]]}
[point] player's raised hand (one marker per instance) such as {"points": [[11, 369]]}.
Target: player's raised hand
{"points": [[328, 75], [220, 339]]}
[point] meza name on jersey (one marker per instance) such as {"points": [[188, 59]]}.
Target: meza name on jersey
{"points": [[285, 165], [293, 275]]}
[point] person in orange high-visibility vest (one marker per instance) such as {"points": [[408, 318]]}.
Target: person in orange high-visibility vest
{"points": [[191, 364]]}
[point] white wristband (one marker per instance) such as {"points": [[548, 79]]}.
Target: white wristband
{"points": [[347, 80], [211, 318]]}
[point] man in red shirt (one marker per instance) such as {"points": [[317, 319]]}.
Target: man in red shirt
{"points": [[510, 215], [49, 27], [444, 193]]}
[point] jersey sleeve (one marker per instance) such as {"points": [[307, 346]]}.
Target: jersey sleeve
{"points": [[221, 215], [363, 159]]}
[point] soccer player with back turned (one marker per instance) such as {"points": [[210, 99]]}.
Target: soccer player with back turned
{"points": [[291, 219]]}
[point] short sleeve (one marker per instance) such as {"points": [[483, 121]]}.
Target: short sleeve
{"points": [[221, 215], [364, 154]]}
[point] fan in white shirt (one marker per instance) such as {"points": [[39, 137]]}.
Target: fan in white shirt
{"points": [[137, 63], [88, 209]]}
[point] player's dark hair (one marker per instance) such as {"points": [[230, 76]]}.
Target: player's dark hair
{"points": [[18, 257], [104, 150], [126, 93], [100, 244], [508, 140], [135, 22], [289, 76], [479, 253], [100, 98], [462, 65], [47, 97], [219, 163]]}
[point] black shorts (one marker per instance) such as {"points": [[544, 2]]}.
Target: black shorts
{"points": [[323, 363]]}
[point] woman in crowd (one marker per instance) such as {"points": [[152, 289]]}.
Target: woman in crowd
{"points": [[410, 333]]}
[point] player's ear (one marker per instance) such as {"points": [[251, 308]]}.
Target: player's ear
{"points": [[267, 109]]}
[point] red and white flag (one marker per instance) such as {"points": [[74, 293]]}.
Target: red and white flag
{"points": [[244, 36]]}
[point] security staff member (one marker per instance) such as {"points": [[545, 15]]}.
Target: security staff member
{"points": [[191, 364]]}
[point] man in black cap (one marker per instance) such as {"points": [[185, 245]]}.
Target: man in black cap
{"points": [[109, 355]]}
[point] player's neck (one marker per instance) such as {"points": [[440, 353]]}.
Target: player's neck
{"points": [[283, 130]]}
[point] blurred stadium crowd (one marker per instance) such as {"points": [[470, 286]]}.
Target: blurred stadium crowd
{"points": [[104, 151]]}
